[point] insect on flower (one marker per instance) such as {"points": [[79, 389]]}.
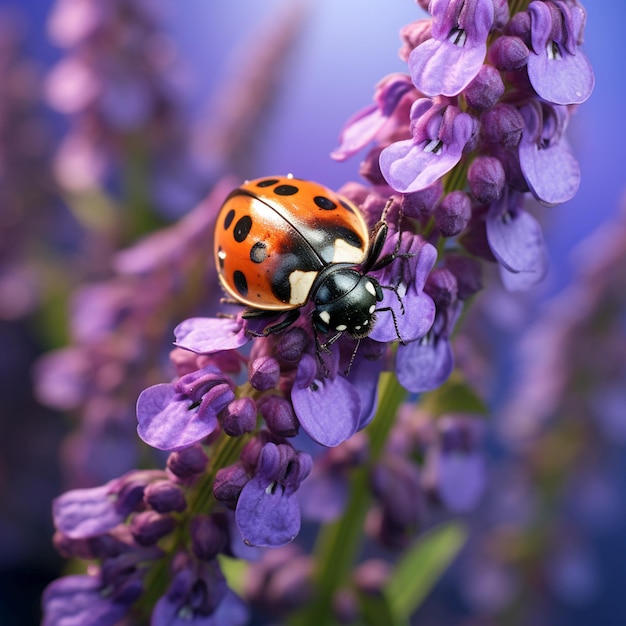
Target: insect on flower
{"points": [[281, 243]]}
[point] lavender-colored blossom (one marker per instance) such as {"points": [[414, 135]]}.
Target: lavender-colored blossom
{"points": [[268, 513], [558, 71], [86, 600], [175, 416], [549, 167], [198, 595], [516, 240], [410, 312], [440, 132], [328, 409], [447, 63], [207, 335], [455, 468], [89, 512], [425, 364], [392, 99]]}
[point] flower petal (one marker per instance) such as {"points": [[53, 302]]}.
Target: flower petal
{"points": [[516, 239], [423, 365], [205, 335], [328, 408], [169, 421]]}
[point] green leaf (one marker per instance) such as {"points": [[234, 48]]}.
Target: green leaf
{"points": [[421, 567], [234, 571], [454, 396]]}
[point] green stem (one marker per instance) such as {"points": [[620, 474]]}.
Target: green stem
{"points": [[338, 543]]}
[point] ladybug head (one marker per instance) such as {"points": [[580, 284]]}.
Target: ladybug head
{"points": [[345, 301]]}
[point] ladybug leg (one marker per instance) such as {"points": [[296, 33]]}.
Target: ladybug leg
{"points": [[352, 357], [318, 351], [374, 261], [395, 290], [255, 314], [395, 323]]}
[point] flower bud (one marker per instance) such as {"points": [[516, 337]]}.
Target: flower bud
{"points": [[228, 484], [502, 125], [486, 178], [453, 214], [239, 417], [149, 526], [208, 539], [186, 463], [519, 26], [412, 35], [422, 203], [291, 345], [486, 88], [263, 373], [468, 274], [508, 53], [279, 416], [369, 168], [164, 497], [441, 287]]}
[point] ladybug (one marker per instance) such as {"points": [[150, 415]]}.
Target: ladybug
{"points": [[281, 243]]}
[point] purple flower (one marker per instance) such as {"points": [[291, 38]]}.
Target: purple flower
{"points": [[175, 416], [89, 512], [558, 71], [268, 513], [455, 468], [425, 364], [550, 169], [379, 119], [198, 596], [516, 240], [328, 407], [205, 335], [440, 132], [410, 312], [88, 601], [447, 63]]}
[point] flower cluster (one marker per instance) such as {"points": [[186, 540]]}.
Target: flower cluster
{"points": [[261, 402], [484, 111]]}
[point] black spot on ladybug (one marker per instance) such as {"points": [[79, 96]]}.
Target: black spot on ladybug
{"points": [[324, 203], [228, 220], [220, 257], [346, 206], [242, 228], [268, 182], [241, 284], [285, 190], [258, 252], [349, 236]]}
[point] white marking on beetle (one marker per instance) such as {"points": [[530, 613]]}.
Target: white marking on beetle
{"points": [[221, 254], [365, 322], [345, 253], [325, 317], [341, 328], [370, 288], [372, 308], [300, 283], [358, 327]]}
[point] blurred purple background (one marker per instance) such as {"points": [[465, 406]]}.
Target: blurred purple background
{"points": [[342, 51]]}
